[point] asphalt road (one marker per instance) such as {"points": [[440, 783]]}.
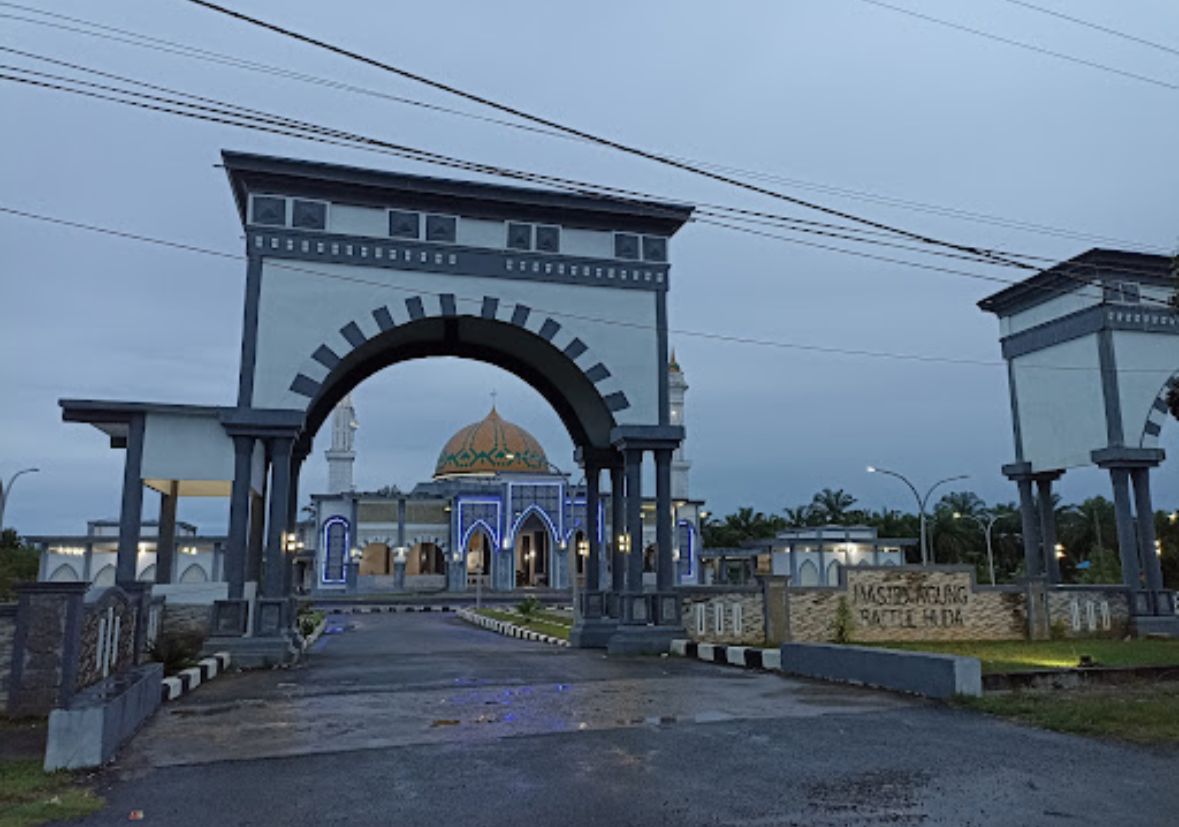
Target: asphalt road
{"points": [[400, 719]]}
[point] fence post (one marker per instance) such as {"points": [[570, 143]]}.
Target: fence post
{"points": [[46, 647]]}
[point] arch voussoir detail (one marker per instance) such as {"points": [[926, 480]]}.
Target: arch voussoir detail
{"points": [[327, 356], [1159, 411]]}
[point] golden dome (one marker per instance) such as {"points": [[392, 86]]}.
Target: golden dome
{"points": [[491, 446]]}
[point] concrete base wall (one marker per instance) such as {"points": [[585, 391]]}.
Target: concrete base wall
{"points": [[920, 673], [101, 718]]}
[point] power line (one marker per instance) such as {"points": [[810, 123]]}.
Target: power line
{"points": [[589, 136], [181, 50], [1142, 41], [244, 117], [476, 301], [1009, 41]]}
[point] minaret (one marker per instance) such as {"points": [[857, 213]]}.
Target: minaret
{"points": [[677, 386], [340, 456]]}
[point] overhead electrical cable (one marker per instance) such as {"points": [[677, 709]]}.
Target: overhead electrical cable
{"points": [[610, 143], [244, 117], [1009, 41], [182, 50], [1089, 24], [476, 301]]}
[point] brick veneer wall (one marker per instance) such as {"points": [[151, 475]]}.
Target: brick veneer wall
{"points": [[1102, 611], [111, 608], [7, 633], [720, 600]]}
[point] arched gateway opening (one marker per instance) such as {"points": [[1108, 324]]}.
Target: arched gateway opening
{"points": [[353, 270]]}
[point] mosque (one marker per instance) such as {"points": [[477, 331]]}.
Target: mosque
{"points": [[497, 515]]}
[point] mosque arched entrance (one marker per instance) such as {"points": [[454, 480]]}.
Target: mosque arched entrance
{"points": [[353, 270]]}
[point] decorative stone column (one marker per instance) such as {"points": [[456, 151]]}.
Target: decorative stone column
{"points": [[239, 516], [617, 529], [166, 539], [634, 610], [1148, 550], [1021, 474], [131, 512], [664, 562], [1048, 524]]}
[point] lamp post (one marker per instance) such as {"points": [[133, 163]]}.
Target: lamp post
{"points": [[921, 501], [6, 490], [986, 525]]}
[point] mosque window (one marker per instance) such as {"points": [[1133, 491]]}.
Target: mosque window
{"points": [[270, 210], [654, 248], [335, 544], [626, 245], [441, 228], [309, 215], [404, 224], [548, 239], [519, 236]]}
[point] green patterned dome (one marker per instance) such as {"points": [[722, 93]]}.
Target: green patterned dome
{"points": [[491, 446]]}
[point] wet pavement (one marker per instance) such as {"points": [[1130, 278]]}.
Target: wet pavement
{"points": [[400, 719]]}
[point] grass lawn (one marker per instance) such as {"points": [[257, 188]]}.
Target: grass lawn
{"points": [[1143, 713], [1021, 655], [28, 796], [547, 623]]}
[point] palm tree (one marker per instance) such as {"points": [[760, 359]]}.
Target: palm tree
{"points": [[834, 506], [800, 516]]}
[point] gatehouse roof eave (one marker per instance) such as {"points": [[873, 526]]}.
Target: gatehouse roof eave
{"points": [[1090, 267], [248, 171]]}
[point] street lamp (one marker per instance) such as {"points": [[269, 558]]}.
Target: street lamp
{"points": [[624, 543], [986, 526], [291, 543], [921, 501], [6, 490]]}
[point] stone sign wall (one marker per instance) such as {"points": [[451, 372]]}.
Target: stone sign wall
{"points": [[909, 603], [903, 603]]}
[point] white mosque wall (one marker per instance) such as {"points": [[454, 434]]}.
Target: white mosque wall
{"points": [[1061, 405], [1153, 358], [300, 311]]}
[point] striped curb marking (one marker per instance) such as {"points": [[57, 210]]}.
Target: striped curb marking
{"points": [[510, 629], [748, 657], [189, 679]]}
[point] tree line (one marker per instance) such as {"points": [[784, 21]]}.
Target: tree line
{"points": [[1087, 531]]}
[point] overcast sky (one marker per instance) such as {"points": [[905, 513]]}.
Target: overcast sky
{"points": [[834, 92]]}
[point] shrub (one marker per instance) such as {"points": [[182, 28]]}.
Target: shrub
{"points": [[844, 622], [177, 650], [528, 607], [308, 621]]}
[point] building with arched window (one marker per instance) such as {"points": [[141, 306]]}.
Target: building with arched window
{"points": [[496, 513]]}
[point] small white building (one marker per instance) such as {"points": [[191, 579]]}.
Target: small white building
{"points": [[809, 556], [90, 557], [813, 556]]}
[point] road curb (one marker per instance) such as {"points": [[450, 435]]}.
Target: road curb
{"points": [[359, 610], [189, 679], [502, 627], [747, 657]]}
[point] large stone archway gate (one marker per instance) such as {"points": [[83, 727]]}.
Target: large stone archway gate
{"points": [[351, 270]]}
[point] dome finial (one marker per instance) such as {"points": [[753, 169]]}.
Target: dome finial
{"points": [[673, 365]]}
